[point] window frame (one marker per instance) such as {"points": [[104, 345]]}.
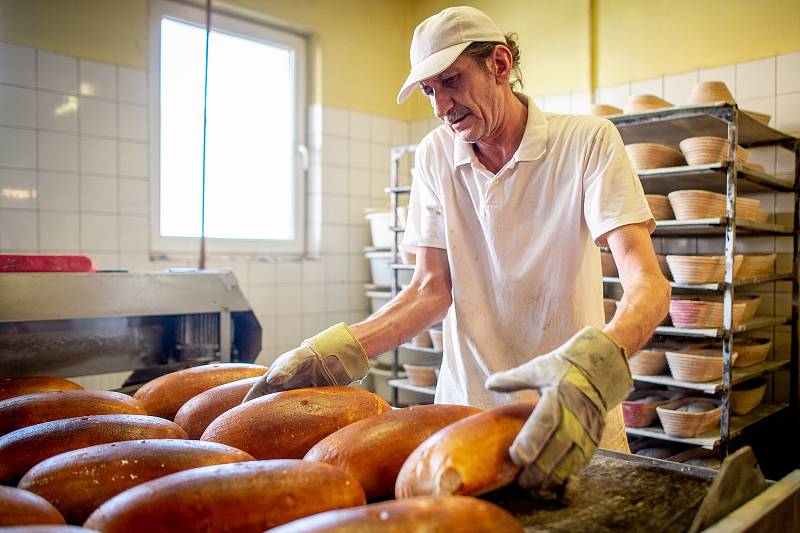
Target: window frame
{"points": [[249, 28]]}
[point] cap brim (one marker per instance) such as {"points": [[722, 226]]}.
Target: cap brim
{"points": [[429, 67]]}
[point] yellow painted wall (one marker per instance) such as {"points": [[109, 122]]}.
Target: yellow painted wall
{"points": [[359, 48], [641, 39], [111, 31], [553, 40]]}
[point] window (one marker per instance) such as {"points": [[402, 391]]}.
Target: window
{"points": [[255, 117]]}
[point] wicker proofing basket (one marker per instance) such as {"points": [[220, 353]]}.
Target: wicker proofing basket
{"points": [[751, 350], [603, 110], [436, 339], [660, 206], [699, 366], [751, 305], [710, 92], [709, 150], [639, 414], [748, 396], [609, 308], [683, 424], [608, 266], [701, 314], [755, 265], [700, 268], [645, 102], [421, 375], [650, 155], [651, 360], [692, 203]]}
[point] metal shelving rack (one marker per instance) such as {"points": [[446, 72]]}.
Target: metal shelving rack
{"points": [[395, 190], [670, 126]]}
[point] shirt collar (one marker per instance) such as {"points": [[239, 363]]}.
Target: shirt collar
{"points": [[533, 144]]}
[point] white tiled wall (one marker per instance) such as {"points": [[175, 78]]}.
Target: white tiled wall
{"points": [[74, 178]]}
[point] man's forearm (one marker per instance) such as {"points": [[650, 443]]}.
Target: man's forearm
{"points": [[412, 310], [643, 306]]}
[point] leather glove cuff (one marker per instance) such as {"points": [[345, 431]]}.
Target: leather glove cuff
{"points": [[603, 362], [340, 353]]}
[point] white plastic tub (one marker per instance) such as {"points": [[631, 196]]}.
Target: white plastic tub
{"points": [[379, 224], [381, 273], [378, 299]]}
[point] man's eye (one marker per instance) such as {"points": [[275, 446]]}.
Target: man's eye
{"points": [[427, 91], [451, 80]]}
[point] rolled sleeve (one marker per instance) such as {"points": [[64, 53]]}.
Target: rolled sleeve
{"points": [[613, 194], [425, 224]]}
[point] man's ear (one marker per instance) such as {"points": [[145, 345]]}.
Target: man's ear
{"points": [[500, 64]]}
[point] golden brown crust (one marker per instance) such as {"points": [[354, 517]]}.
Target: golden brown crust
{"points": [[11, 387], [425, 514], [374, 449], [196, 414], [47, 529], [19, 507], [164, 395], [22, 449], [469, 457], [38, 407], [285, 425], [78, 482], [251, 496]]}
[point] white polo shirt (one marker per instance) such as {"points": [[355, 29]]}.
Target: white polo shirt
{"points": [[522, 244]]}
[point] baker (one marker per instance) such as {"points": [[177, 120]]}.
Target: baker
{"points": [[507, 210]]}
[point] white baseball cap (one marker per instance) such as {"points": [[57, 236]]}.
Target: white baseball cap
{"points": [[440, 39]]}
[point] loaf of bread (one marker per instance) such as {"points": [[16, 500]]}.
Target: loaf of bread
{"points": [[78, 482], [10, 387], [19, 507], [425, 514], [38, 407], [373, 450], [469, 457], [47, 529], [22, 449], [238, 497], [163, 396], [196, 414], [285, 425]]}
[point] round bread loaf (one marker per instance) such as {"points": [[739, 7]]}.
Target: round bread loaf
{"points": [[78, 482], [285, 425], [196, 414], [47, 529], [425, 514], [19, 507], [38, 407], [469, 457], [164, 395], [238, 497], [22, 449], [373, 449], [11, 387]]}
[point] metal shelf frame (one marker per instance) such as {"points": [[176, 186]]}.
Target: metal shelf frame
{"points": [[394, 190], [670, 126]]}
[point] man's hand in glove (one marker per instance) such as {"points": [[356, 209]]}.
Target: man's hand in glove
{"points": [[578, 382], [333, 357]]}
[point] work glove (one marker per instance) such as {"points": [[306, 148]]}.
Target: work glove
{"points": [[333, 357], [578, 383]]}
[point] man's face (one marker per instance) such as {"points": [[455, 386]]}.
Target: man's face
{"points": [[465, 97]]}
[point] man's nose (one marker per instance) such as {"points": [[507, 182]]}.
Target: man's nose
{"points": [[442, 104]]}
